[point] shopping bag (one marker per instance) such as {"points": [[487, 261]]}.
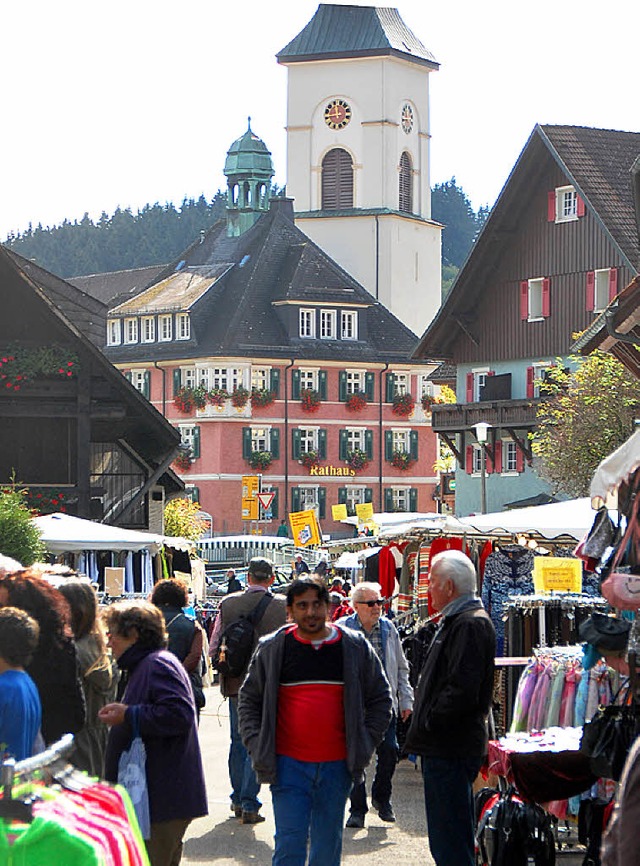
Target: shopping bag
{"points": [[132, 775]]}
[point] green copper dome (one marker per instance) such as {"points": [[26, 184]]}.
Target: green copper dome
{"points": [[249, 156]]}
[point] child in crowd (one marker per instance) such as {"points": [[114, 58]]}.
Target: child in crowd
{"points": [[20, 710]]}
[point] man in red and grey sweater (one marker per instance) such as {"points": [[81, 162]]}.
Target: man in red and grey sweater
{"points": [[314, 706]]}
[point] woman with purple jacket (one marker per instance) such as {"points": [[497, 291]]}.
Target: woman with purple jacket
{"points": [[157, 690]]}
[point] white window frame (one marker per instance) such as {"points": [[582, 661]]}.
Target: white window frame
{"points": [[261, 378], [188, 434], [308, 439], [308, 379], [327, 324], [401, 383], [349, 325], [131, 330], [400, 496], [476, 459], [356, 438], [114, 332], [148, 329], [138, 378], [534, 300], [400, 439], [183, 326], [427, 388], [165, 328], [355, 496], [601, 289], [261, 438], [307, 323], [355, 382], [509, 457], [538, 377], [309, 497], [566, 204], [188, 377], [480, 376]]}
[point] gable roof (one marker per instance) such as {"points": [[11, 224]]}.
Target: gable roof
{"points": [[597, 162], [105, 287], [355, 31], [244, 287]]}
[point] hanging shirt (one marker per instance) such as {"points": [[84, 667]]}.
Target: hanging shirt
{"points": [[20, 714]]}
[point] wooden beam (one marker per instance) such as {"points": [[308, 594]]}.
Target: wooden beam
{"points": [[521, 444], [453, 447]]}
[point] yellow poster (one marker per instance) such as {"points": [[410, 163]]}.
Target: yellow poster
{"points": [[339, 512], [556, 574], [304, 528], [364, 510], [250, 490]]}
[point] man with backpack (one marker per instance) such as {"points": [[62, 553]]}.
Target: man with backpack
{"points": [[242, 618]]}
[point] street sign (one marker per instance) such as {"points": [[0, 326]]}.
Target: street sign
{"points": [[265, 499], [250, 487]]}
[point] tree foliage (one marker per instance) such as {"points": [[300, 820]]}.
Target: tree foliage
{"points": [[450, 206], [586, 414], [181, 519], [19, 536]]}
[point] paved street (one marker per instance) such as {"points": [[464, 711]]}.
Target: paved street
{"points": [[222, 839]]}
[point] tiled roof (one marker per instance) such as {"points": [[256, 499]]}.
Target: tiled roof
{"points": [[599, 162], [106, 287], [244, 312], [179, 291], [355, 31]]}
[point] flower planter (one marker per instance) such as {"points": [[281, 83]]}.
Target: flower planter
{"points": [[401, 460], [356, 402], [260, 459], [309, 400], [356, 459], [309, 459], [261, 397], [403, 405], [240, 398]]}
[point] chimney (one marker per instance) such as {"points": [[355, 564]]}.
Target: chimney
{"points": [[282, 204]]}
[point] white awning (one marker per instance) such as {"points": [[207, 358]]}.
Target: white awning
{"points": [[62, 533], [613, 470], [572, 519]]}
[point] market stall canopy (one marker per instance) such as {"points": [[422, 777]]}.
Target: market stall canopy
{"points": [[354, 558], [613, 470], [265, 542], [62, 533], [389, 519], [571, 519]]}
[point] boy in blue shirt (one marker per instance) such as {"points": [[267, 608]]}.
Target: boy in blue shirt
{"points": [[20, 710]]}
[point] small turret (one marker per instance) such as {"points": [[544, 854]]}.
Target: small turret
{"points": [[248, 169]]}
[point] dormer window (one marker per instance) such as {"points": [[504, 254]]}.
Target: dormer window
{"points": [[307, 323], [131, 330], [148, 329], [183, 326], [349, 325], [165, 328], [113, 332], [327, 324]]}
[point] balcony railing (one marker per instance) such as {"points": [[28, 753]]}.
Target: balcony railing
{"points": [[499, 413]]}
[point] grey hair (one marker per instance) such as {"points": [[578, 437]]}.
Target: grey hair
{"points": [[454, 565], [361, 588]]}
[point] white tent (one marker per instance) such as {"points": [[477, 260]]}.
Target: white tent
{"points": [[614, 469], [62, 533], [571, 519]]}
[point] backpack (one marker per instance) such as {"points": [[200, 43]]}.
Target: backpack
{"points": [[511, 832], [238, 641]]}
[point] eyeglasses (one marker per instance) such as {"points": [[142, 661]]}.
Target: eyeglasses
{"points": [[373, 602]]}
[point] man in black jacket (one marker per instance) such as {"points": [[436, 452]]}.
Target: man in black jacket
{"points": [[453, 698]]}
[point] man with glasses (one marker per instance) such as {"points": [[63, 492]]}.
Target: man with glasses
{"points": [[385, 640], [312, 708]]}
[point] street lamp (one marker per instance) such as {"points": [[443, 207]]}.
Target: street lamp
{"points": [[481, 429]]}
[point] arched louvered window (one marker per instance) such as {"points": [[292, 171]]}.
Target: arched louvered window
{"points": [[337, 180], [405, 196]]}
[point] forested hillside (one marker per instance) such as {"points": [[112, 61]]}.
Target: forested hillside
{"points": [[158, 233]]}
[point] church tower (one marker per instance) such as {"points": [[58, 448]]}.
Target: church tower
{"points": [[358, 153], [248, 169]]}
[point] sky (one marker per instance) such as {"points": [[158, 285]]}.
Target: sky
{"points": [[135, 102]]}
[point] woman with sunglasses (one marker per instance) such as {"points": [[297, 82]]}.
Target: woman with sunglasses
{"points": [[383, 636]]}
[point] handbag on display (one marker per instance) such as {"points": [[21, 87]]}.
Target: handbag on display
{"points": [[132, 775], [621, 585], [607, 738], [605, 632], [600, 535]]}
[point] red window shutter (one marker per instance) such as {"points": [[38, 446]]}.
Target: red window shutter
{"points": [[491, 373], [530, 381], [469, 459], [524, 300], [469, 387], [551, 206], [580, 205], [546, 303], [613, 283], [498, 453], [519, 461], [591, 291]]}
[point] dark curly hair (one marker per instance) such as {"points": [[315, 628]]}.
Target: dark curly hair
{"points": [[171, 592], [29, 591], [19, 634], [302, 585], [124, 616]]}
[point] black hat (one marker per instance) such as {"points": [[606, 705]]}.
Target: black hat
{"points": [[605, 632]]}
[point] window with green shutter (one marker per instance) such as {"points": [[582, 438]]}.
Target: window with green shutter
{"points": [[322, 444], [275, 443], [295, 444], [295, 384], [369, 386], [246, 443], [388, 445], [390, 389], [413, 444], [343, 445], [413, 499], [322, 384], [342, 495], [195, 444], [388, 499], [295, 499], [274, 383], [368, 494], [322, 502], [146, 384], [368, 444], [177, 380], [342, 386]]}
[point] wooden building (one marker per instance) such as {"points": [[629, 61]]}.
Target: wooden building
{"points": [[559, 244], [73, 431]]}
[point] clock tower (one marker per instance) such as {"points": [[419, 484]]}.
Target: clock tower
{"points": [[358, 153]]}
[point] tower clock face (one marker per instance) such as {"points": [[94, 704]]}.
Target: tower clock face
{"points": [[406, 118], [337, 114]]}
